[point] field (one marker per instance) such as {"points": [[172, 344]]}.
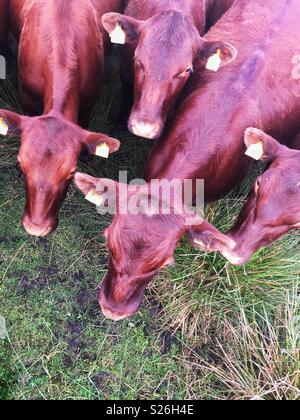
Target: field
{"points": [[207, 330]]}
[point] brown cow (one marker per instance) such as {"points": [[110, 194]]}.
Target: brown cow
{"points": [[205, 141], [3, 25], [61, 58], [141, 241], [273, 208], [164, 40]]}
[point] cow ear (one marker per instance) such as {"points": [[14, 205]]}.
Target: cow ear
{"points": [[261, 146], [97, 191], [100, 144], [85, 183], [10, 122], [224, 52], [130, 26], [208, 238]]}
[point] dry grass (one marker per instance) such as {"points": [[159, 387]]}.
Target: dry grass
{"points": [[254, 357]]}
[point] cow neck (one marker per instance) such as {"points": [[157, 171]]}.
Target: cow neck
{"points": [[61, 95]]}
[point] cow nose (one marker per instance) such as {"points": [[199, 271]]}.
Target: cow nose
{"points": [[38, 230], [114, 316], [234, 258], [108, 312], [145, 129]]}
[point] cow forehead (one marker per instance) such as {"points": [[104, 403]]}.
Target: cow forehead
{"points": [[50, 131], [42, 145], [42, 139], [135, 249], [159, 35], [169, 27], [50, 167], [48, 155], [142, 231], [149, 50]]}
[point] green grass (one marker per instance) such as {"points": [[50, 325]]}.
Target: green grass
{"points": [[207, 330]]}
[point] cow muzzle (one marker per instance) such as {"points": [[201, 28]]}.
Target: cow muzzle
{"points": [[144, 129], [113, 316], [234, 258], [117, 312], [38, 229]]}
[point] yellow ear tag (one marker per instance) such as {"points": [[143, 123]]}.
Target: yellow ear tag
{"points": [[94, 198], [102, 150], [214, 62], [117, 36], [199, 242], [3, 127], [255, 151]]}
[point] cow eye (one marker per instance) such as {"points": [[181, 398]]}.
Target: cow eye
{"points": [[139, 64], [19, 167], [187, 72], [19, 164], [257, 185], [71, 175]]}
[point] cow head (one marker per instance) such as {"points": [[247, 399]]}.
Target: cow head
{"points": [[48, 157], [166, 48], [273, 208], [141, 244]]}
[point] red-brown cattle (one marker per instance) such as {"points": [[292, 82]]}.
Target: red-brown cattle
{"points": [[3, 25], [61, 59], [273, 208], [163, 41], [205, 141], [216, 9], [141, 241]]}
